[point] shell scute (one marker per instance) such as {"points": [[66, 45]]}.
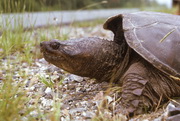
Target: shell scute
{"points": [[154, 36]]}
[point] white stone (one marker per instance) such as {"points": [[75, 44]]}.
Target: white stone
{"points": [[48, 90]]}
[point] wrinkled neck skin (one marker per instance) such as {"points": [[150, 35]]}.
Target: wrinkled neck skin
{"points": [[88, 57]]}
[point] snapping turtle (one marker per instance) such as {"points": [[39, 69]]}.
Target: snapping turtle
{"points": [[143, 58]]}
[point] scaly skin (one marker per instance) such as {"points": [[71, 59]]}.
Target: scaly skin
{"points": [[143, 85], [89, 57]]}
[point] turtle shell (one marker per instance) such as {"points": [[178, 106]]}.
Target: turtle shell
{"points": [[154, 36]]}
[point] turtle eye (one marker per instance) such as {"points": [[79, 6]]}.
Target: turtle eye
{"points": [[55, 45]]}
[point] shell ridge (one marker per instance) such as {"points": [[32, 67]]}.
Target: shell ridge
{"points": [[169, 24], [148, 25], [128, 19], [178, 30], [134, 30]]}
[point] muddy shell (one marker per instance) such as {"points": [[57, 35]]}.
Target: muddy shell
{"points": [[154, 36]]}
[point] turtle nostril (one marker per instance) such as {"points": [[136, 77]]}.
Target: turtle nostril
{"points": [[55, 45], [41, 44]]}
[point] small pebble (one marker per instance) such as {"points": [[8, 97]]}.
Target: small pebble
{"points": [[48, 96], [48, 90]]}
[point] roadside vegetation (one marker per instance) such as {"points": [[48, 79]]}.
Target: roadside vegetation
{"points": [[9, 6], [19, 51]]}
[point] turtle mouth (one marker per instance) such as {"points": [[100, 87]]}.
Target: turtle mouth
{"points": [[50, 58]]}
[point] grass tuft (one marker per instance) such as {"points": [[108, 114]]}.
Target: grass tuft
{"points": [[13, 100]]}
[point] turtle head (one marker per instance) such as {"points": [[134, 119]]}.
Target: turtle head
{"points": [[89, 57]]}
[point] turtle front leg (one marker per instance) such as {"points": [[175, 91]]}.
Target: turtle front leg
{"points": [[133, 102], [141, 89]]}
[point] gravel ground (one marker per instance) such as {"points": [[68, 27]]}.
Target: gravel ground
{"points": [[78, 98]]}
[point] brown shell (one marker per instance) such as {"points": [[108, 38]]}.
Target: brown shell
{"points": [[154, 36]]}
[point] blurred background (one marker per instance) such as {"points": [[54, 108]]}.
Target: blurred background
{"points": [[38, 13], [9, 6]]}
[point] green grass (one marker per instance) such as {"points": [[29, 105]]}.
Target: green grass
{"points": [[90, 23], [12, 98], [162, 9], [47, 82]]}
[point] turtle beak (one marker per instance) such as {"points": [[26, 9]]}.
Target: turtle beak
{"points": [[42, 45]]}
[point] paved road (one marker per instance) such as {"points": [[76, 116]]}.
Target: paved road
{"points": [[40, 19]]}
